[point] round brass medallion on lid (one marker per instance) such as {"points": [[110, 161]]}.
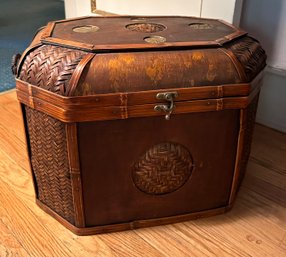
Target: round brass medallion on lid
{"points": [[163, 168], [86, 29], [146, 27], [155, 39], [200, 25]]}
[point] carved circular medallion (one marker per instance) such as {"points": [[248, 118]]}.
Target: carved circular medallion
{"points": [[163, 168]]}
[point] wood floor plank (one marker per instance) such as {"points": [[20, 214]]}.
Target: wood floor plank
{"points": [[9, 245], [283, 243], [44, 237], [187, 239], [12, 130], [259, 171], [269, 148], [20, 182], [223, 235], [129, 244], [266, 189], [263, 208], [24, 225]]}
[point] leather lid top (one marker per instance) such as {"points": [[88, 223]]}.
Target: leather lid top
{"points": [[95, 34]]}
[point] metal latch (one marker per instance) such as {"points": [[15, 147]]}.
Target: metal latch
{"points": [[168, 107]]}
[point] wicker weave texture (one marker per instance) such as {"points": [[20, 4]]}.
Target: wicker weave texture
{"points": [[50, 67], [164, 168], [49, 159], [251, 55]]}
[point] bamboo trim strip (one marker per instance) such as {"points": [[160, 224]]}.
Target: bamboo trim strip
{"points": [[98, 48], [238, 66], [241, 134], [134, 224], [77, 73], [78, 114], [73, 155], [49, 30], [137, 98], [91, 108]]}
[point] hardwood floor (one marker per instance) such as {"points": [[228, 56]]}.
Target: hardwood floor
{"points": [[256, 226]]}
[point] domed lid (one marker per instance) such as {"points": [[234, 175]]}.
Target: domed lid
{"points": [[97, 34]]}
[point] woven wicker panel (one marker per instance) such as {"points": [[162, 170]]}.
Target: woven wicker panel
{"points": [[163, 168], [49, 159], [50, 67], [247, 140], [251, 55]]}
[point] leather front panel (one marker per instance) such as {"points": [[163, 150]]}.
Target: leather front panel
{"points": [[111, 152]]}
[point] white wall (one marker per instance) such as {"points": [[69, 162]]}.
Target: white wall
{"points": [[151, 7], [266, 20], [272, 108], [228, 10], [76, 8]]}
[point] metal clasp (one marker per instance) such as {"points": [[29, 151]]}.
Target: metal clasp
{"points": [[170, 106]]}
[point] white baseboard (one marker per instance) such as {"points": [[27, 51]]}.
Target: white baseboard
{"points": [[276, 71], [270, 124]]}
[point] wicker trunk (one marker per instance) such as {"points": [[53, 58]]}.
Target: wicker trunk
{"points": [[138, 121]]}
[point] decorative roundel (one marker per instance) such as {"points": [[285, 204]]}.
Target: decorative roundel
{"points": [[199, 25], [163, 168], [146, 27], [86, 29], [155, 39]]}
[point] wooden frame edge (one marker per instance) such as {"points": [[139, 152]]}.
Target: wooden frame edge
{"points": [[238, 66], [77, 73], [241, 135], [134, 224], [75, 173], [91, 108]]}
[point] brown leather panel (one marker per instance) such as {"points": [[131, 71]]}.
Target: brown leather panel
{"points": [[110, 149], [138, 71], [127, 30]]}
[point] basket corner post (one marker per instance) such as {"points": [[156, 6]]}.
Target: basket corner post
{"points": [[75, 174]]}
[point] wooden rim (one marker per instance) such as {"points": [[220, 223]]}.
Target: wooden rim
{"points": [[134, 224], [75, 173], [242, 124], [49, 39], [136, 104]]}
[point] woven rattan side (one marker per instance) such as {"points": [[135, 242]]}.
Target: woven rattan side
{"points": [[250, 54], [50, 67], [49, 159]]}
